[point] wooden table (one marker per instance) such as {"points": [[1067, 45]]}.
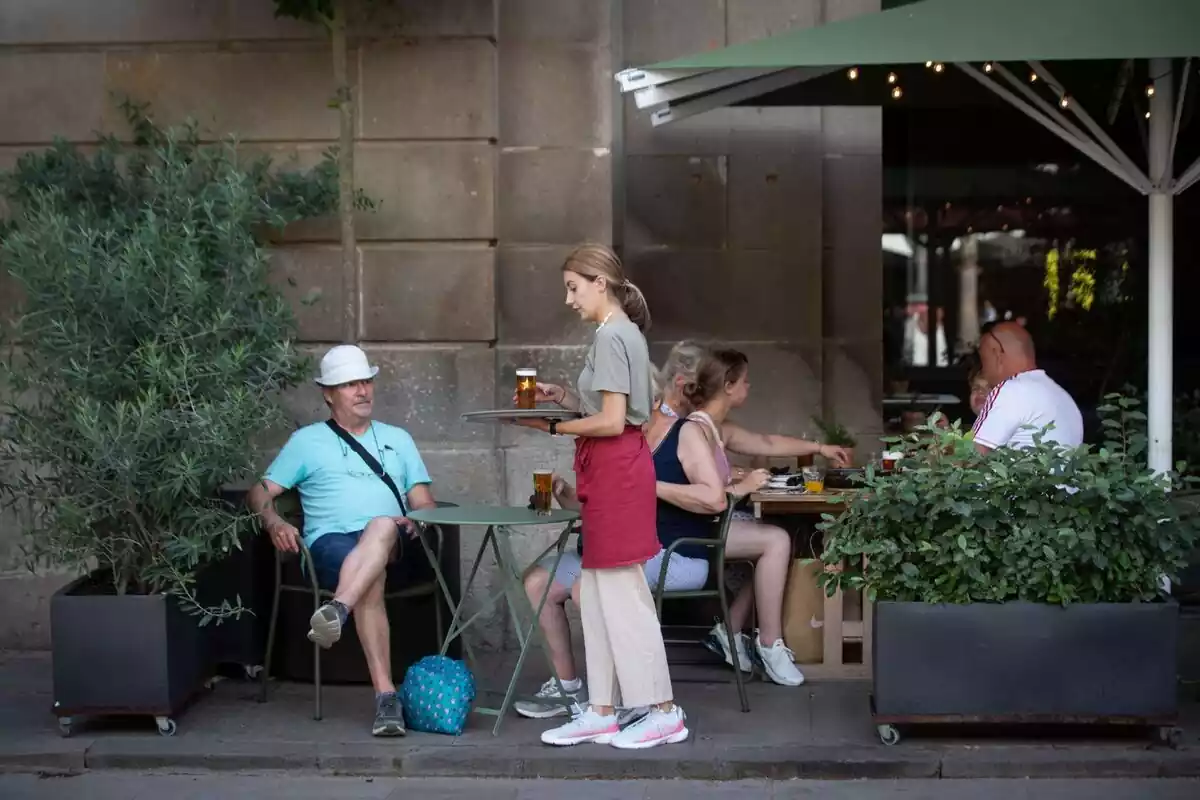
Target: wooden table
{"points": [[837, 630]]}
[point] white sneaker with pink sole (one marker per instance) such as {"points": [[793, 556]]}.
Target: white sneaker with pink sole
{"points": [[657, 727], [586, 727]]}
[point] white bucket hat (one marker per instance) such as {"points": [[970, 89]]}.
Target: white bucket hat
{"points": [[344, 364]]}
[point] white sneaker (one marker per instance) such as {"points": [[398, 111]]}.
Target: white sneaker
{"points": [[657, 727], [779, 663], [325, 626], [549, 691], [586, 727], [718, 643]]}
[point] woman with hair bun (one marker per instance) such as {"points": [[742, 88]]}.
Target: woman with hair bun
{"points": [[622, 640], [680, 368]]}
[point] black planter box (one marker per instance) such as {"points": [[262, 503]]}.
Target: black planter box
{"points": [[128, 654], [1026, 662], [248, 573]]}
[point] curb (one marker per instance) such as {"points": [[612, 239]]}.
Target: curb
{"points": [[700, 762]]}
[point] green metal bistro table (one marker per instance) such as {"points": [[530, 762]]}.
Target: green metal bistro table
{"points": [[501, 523]]}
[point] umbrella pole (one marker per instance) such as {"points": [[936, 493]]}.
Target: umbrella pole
{"points": [[1159, 385]]}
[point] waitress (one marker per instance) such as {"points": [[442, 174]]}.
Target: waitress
{"points": [[616, 487]]}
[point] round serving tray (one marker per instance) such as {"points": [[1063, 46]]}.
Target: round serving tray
{"points": [[504, 414]]}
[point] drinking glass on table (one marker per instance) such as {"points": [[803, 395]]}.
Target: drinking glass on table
{"points": [[814, 478], [543, 490]]}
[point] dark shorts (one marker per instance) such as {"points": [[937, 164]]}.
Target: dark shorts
{"points": [[408, 566]]}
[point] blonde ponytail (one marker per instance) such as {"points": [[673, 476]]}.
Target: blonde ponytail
{"points": [[634, 304]]}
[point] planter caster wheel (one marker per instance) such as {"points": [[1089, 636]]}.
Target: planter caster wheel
{"points": [[64, 726], [166, 726], [1171, 736], [888, 734]]}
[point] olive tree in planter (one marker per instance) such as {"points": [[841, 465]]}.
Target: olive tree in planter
{"points": [[1018, 586], [149, 357]]}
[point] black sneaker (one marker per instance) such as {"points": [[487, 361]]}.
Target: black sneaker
{"points": [[389, 716]]}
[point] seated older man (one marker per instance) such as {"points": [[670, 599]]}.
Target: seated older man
{"points": [[1023, 400], [353, 515]]}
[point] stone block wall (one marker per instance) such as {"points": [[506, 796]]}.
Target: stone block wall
{"points": [[491, 133], [760, 227]]}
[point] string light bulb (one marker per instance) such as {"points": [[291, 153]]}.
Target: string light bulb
{"points": [[1147, 115], [928, 64], [852, 73], [1033, 77], [1150, 90], [1065, 102], [939, 67], [892, 77], [897, 93], [988, 67]]}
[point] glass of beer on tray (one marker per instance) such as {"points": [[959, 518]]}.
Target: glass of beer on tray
{"points": [[814, 478], [890, 459], [526, 388], [543, 485]]}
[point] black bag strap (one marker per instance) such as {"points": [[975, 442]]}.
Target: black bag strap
{"points": [[370, 461]]}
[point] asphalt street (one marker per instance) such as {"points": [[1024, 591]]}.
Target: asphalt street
{"points": [[276, 786]]}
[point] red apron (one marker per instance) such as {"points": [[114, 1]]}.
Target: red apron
{"points": [[615, 484]]}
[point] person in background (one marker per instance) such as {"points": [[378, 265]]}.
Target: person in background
{"points": [[978, 389], [680, 367], [1023, 400], [768, 546], [622, 640]]}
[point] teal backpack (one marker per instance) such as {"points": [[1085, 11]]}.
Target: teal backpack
{"points": [[437, 695]]}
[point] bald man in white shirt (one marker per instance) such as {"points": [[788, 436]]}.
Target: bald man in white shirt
{"points": [[1024, 399]]}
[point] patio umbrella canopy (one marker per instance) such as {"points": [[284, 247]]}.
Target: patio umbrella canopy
{"points": [[983, 38]]}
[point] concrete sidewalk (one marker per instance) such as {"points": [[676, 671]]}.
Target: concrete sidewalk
{"points": [[814, 731]]}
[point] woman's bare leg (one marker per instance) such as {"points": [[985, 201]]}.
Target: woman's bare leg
{"points": [[553, 620], [771, 550]]}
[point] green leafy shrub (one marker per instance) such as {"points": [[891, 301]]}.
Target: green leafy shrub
{"points": [[150, 352], [954, 526]]}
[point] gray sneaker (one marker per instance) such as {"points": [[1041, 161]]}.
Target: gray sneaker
{"points": [[628, 716], [545, 710], [389, 716]]}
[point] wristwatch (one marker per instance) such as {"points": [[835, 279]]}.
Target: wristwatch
{"points": [[554, 427]]}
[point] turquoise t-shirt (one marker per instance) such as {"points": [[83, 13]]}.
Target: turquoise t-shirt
{"points": [[338, 491]]}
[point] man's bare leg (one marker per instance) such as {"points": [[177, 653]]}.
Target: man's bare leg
{"points": [[365, 564], [371, 622]]}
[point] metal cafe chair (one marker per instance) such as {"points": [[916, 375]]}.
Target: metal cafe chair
{"points": [[717, 590], [319, 596]]}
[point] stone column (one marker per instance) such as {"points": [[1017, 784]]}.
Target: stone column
{"points": [[555, 192]]}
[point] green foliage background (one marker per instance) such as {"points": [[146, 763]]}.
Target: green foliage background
{"points": [[955, 526], [151, 349]]}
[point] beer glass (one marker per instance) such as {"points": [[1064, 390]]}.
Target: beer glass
{"points": [[526, 388], [889, 460], [543, 485]]}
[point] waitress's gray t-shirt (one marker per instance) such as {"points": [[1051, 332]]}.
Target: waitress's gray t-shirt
{"points": [[618, 362]]}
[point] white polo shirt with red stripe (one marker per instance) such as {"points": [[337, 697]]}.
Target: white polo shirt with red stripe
{"points": [[1021, 406]]}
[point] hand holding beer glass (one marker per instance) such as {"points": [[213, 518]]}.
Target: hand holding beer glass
{"points": [[543, 490]]}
